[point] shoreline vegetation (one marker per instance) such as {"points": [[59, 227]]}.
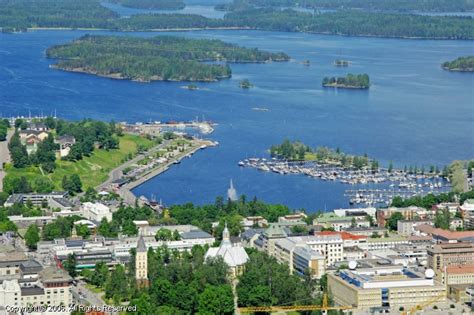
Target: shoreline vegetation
{"points": [[461, 64], [351, 81], [21, 15], [151, 4], [160, 58], [402, 6]]}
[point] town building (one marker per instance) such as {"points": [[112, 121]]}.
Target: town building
{"points": [[65, 143], [299, 258], [356, 212], [458, 274], [96, 211], [31, 139], [38, 199], [408, 227], [266, 241], [141, 263], [467, 212], [448, 254], [297, 218], [409, 213], [368, 231], [254, 221], [249, 237], [445, 236], [384, 286], [338, 223], [234, 256]]}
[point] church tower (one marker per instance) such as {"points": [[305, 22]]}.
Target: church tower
{"points": [[141, 263]]}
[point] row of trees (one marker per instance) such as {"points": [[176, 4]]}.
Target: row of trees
{"points": [[4, 125], [230, 211], [157, 58]]}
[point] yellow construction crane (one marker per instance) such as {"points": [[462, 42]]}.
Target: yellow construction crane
{"points": [[421, 306], [289, 308]]}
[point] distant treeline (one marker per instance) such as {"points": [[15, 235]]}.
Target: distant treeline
{"points": [[156, 58], [359, 81], [151, 4], [372, 5], [460, 64], [18, 15], [21, 14]]}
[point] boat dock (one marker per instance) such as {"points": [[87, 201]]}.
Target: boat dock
{"points": [[154, 128]]}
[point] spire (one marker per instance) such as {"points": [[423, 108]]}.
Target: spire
{"points": [[225, 233], [141, 247]]}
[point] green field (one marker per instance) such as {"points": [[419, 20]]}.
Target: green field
{"points": [[92, 170]]}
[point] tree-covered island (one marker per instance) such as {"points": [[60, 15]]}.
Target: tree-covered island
{"points": [[351, 81], [160, 58], [245, 84], [461, 64], [151, 4]]}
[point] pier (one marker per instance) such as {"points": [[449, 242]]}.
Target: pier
{"points": [[154, 128]]}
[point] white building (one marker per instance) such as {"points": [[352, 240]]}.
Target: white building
{"points": [[467, 210], [355, 212], [96, 211], [299, 258], [234, 256], [407, 227], [330, 246]]}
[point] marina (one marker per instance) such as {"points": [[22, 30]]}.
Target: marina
{"points": [[378, 186]]}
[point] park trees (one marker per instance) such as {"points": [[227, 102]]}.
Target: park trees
{"points": [[32, 236]]}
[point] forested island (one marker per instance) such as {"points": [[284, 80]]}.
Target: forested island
{"points": [[372, 5], [461, 64], [160, 58], [351, 81], [19, 15], [151, 4], [296, 150]]}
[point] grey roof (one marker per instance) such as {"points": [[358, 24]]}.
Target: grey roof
{"points": [[28, 291], [54, 274], [30, 266], [15, 198], [65, 139], [195, 235], [63, 202], [248, 234], [141, 247]]}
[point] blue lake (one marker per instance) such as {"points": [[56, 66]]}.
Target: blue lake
{"points": [[414, 113]]}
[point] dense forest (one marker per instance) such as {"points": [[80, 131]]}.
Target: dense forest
{"points": [[351, 81], [355, 23], [158, 58], [372, 5], [18, 15], [151, 4], [22, 14], [462, 64]]}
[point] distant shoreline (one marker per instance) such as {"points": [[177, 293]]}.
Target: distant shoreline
{"points": [[236, 28]]}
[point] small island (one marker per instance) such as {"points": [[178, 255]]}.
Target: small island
{"points": [[151, 4], [192, 87], [306, 63], [341, 63], [159, 58], [351, 81], [245, 84], [461, 64]]}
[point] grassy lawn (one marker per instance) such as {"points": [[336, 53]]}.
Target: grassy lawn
{"points": [[93, 170]]}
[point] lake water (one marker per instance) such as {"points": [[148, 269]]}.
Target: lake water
{"points": [[414, 113], [199, 9]]}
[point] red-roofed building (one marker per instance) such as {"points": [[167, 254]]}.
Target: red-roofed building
{"points": [[459, 274], [440, 235], [349, 239]]}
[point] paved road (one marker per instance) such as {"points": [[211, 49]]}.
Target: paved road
{"points": [[116, 173], [4, 156]]}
